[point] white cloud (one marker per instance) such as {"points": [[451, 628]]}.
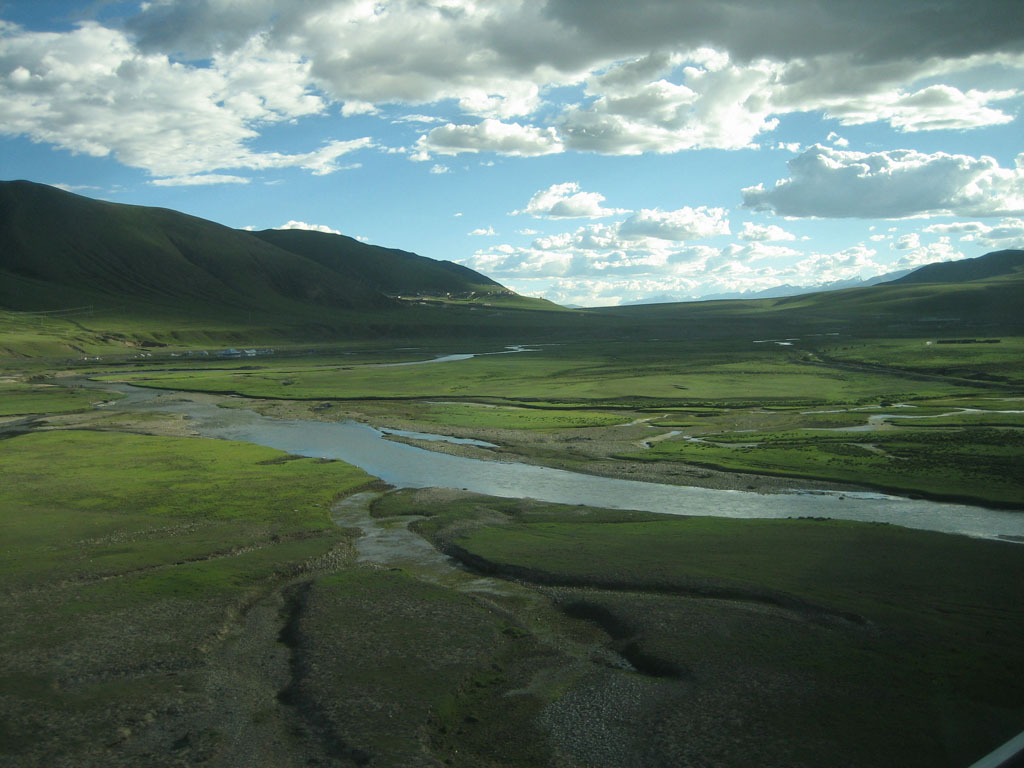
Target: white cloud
{"points": [[488, 136], [683, 224], [198, 180], [417, 119], [1008, 233], [488, 232], [718, 105], [438, 169], [567, 201], [528, 231], [771, 233], [828, 182], [91, 91], [927, 254], [75, 187], [320, 161], [837, 140], [185, 88], [936, 107], [906, 242], [819, 268], [310, 227], [350, 108]]}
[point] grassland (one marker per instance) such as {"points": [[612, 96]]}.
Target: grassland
{"points": [[22, 398], [801, 639], [746, 408]]}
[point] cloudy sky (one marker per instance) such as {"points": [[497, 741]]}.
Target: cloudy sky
{"points": [[589, 151]]}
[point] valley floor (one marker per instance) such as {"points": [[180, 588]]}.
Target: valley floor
{"points": [[173, 600]]}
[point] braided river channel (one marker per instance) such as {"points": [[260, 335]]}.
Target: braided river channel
{"points": [[405, 466]]}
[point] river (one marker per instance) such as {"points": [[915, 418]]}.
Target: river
{"points": [[405, 466]]}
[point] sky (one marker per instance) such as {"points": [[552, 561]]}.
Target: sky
{"points": [[591, 152]]}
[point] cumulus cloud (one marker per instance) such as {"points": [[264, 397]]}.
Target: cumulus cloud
{"points": [[310, 227], [488, 232], [858, 261], [717, 105], [183, 88], [905, 242], [771, 233], [1008, 233], [437, 169], [91, 91], [488, 136], [927, 254], [683, 224], [567, 201], [936, 107], [350, 108], [565, 270], [828, 182]]}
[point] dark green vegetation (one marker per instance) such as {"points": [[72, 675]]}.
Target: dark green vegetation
{"points": [[953, 459], [19, 398], [1000, 264], [112, 278], [170, 600], [131, 567], [804, 642]]}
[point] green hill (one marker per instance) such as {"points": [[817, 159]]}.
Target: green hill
{"points": [[387, 270], [77, 275], [995, 264], [151, 276], [982, 295], [57, 249]]}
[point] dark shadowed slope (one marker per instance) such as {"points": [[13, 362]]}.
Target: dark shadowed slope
{"points": [[984, 295], [995, 264], [388, 270], [57, 247]]}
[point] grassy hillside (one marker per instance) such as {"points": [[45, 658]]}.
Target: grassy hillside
{"points": [[387, 270], [988, 304], [90, 277], [113, 277], [996, 264], [81, 248]]}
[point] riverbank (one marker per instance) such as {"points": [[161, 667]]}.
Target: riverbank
{"points": [[580, 450]]}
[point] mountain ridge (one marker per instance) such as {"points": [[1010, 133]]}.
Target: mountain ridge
{"points": [[145, 254], [994, 264]]}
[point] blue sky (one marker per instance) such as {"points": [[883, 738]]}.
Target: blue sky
{"points": [[589, 152]]}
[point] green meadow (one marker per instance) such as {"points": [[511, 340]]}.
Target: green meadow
{"points": [[756, 408], [864, 643]]}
